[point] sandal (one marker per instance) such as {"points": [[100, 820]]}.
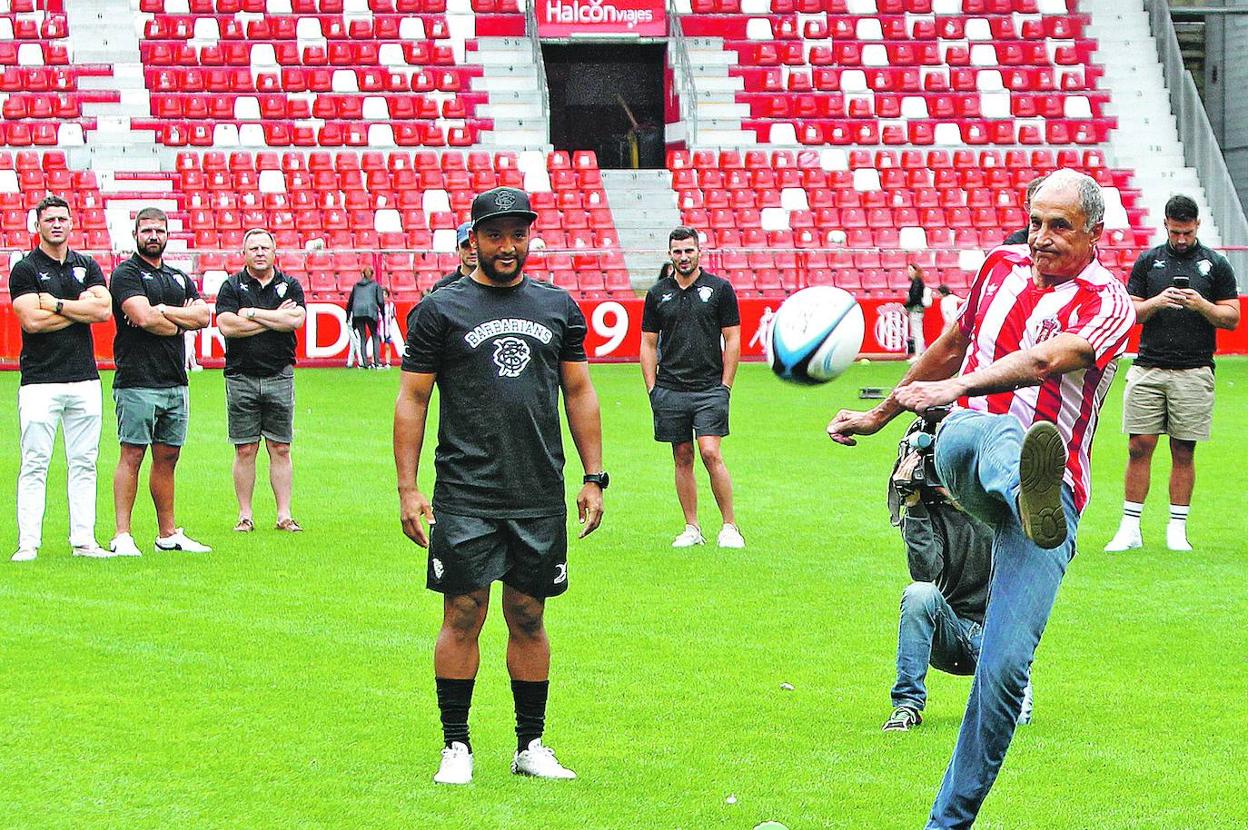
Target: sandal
{"points": [[244, 526], [289, 525]]}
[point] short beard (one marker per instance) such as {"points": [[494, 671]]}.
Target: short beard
{"points": [[160, 252], [492, 275]]}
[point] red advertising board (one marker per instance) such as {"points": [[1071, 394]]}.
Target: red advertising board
{"points": [[568, 18], [614, 333]]}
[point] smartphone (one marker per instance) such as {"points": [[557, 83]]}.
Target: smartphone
{"points": [[1182, 282]]}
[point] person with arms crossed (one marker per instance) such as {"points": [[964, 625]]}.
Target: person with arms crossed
{"points": [[57, 294], [1183, 291], [153, 304], [500, 348], [1036, 343], [688, 377], [258, 311]]}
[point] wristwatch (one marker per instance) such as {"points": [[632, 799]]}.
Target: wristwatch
{"points": [[60, 304], [601, 479]]}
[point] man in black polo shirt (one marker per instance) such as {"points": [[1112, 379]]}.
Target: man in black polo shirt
{"points": [[467, 258], [1182, 292], [500, 347], [154, 304], [57, 294], [258, 311], [689, 377]]}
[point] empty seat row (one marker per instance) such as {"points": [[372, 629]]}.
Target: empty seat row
{"points": [[299, 79]]}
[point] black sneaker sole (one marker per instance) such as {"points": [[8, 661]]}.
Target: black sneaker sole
{"points": [[1041, 465]]}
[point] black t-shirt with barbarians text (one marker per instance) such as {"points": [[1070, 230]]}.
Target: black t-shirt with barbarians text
{"points": [[497, 354], [67, 355], [269, 352], [1178, 338], [146, 360], [689, 322]]}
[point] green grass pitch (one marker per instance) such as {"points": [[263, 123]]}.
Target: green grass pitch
{"points": [[286, 681]]}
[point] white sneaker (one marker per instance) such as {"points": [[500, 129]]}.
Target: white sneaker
{"points": [[1176, 537], [730, 537], [24, 555], [93, 551], [123, 545], [180, 541], [692, 535], [1124, 539], [1024, 713], [456, 766], [539, 761]]}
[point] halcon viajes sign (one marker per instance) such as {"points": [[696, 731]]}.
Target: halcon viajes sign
{"points": [[564, 18]]}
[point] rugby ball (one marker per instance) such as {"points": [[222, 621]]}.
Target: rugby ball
{"points": [[815, 335]]}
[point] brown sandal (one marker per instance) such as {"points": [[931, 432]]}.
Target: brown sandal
{"points": [[289, 525], [244, 526]]}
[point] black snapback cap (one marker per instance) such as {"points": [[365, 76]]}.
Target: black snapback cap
{"points": [[501, 201]]}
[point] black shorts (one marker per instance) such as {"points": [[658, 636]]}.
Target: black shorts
{"points": [[678, 416], [467, 553]]}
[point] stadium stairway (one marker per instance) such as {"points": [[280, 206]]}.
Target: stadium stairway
{"points": [[515, 98], [644, 206], [1147, 139]]}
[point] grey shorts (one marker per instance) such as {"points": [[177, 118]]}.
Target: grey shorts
{"points": [[1177, 402], [152, 416], [467, 553], [679, 416], [261, 407]]}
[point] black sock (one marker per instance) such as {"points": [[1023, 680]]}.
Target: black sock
{"points": [[530, 697], [454, 700]]}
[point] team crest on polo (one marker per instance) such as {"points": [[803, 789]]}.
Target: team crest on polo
{"points": [[511, 355], [1205, 266], [281, 289], [80, 273], [180, 281], [705, 292]]}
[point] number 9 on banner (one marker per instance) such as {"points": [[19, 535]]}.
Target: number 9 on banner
{"points": [[609, 320]]}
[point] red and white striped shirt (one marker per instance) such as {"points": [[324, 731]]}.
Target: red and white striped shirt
{"points": [[1007, 312]]}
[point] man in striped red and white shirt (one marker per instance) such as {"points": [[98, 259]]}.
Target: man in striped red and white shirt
{"points": [[1027, 365]]}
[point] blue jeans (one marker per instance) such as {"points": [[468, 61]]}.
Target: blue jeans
{"points": [[930, 632], [977, 460]]}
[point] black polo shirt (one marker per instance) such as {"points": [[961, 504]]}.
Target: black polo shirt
{"points": [[452, 277], [269, 352], [146, 360], [689, 323], [1178, 338], [497, 354], [68, 355]]}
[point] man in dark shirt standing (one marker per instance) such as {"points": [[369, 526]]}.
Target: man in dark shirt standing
{"points": [[153, 304], [1182, 292], [689, 377], [57, 294], [500, 347], [258, 311], [364, 309], [467, 258]]}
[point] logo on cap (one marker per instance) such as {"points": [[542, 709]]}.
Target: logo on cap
{"points": [[505, 200]]}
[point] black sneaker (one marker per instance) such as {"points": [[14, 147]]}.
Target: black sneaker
{"points": [[903, 719], [1041, 463]]}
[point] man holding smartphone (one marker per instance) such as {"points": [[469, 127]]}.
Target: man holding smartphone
{"points": [[1182, 292]]}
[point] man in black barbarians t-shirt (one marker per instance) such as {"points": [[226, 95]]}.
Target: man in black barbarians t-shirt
{"points": [[689, 377], [1182, 292], [500, 348], [258, 311], [57, 294], [467, 258], [154, 304]]}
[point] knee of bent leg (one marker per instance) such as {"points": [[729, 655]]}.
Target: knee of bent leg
{"points": [[920, 598]]}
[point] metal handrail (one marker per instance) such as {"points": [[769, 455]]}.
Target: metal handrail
{"points": [[1200, 144], [539, 63], [685, 89]]}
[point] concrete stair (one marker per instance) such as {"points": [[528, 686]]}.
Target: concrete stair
{"points": [[644, 207], [515, 97]]}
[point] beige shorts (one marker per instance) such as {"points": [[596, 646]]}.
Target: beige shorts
{"points": [[1177, 402]]}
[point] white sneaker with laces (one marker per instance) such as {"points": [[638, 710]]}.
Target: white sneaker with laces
{"points": [[539, 761], [24, 555], [1125, 539], [123, 545], [1176, 537], [690, 536], [180, 541], [93, 551], [456, 766], [730, 537]]}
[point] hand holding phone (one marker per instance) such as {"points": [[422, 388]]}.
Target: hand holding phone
{"points": [[1182, 282]]}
